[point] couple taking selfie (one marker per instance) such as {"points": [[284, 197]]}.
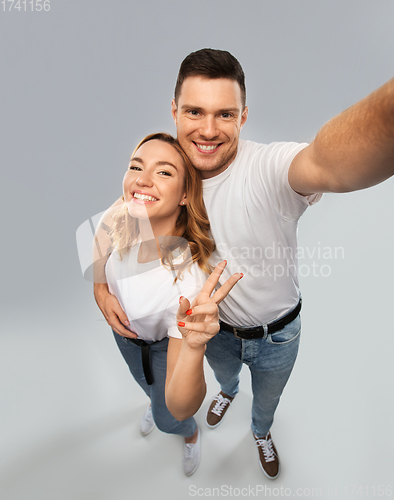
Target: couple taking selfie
{"points": [[196, 216]]}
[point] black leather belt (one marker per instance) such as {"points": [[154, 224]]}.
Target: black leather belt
{"points": [[257, 332], [145, 358]]}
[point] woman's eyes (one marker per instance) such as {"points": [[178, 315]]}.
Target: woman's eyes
{"points": [[139, 169]]}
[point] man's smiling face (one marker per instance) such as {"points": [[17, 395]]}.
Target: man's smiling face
{"points": [[209, 116]]}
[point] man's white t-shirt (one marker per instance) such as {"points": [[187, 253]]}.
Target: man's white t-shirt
{"points": [[254, 214], [148, 295]]}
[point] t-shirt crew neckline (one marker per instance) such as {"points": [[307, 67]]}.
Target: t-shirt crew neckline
{"points": [[217, 179]]}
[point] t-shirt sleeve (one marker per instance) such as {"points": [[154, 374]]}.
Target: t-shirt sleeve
{"points": [[273, 162]]}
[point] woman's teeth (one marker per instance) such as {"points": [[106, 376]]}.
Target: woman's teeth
{"points": [[144, 197]]}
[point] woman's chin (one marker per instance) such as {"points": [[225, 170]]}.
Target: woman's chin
{"points": [[137, 210]]}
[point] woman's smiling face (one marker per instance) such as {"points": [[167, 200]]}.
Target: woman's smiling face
{"points": [[154, 184]]}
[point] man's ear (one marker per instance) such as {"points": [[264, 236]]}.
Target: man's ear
{"points": [[244, 116], [174, 111]]}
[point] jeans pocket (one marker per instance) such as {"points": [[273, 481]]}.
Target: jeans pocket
{"points": [[287, 335], [126, 340]]}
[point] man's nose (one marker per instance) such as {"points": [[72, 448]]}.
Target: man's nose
{"points": [[208, 129]]}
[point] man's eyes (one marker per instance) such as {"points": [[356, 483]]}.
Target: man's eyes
{"points": [[226, 116]]}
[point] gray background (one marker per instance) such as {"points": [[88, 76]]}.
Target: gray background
{"points": [[80, 85]]}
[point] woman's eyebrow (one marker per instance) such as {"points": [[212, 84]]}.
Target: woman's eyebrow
{"points": [[166, 163], [159, 163]]}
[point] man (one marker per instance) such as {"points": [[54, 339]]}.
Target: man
{"points": [[254, 195]]}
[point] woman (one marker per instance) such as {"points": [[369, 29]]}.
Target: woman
{"points": [[159, 255]]}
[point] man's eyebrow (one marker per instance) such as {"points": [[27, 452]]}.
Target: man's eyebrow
{"points": [[224, 110], [229, 110], [191, 106]]}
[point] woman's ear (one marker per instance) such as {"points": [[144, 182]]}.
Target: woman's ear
{"points": [[183, 201]]}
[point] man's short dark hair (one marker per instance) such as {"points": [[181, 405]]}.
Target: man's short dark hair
{"points": [[211, 63]]}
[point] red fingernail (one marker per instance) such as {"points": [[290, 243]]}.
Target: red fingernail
{"points": [[189, 312], [225, 261], [242, 275], [127, 322], [181, 323], [180, 298]]}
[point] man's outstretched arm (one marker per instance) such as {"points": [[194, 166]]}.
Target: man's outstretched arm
{"points": [[353, 151]]}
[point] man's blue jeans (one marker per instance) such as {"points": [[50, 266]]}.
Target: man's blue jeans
{"points": [[270, 360], [158, 362]]}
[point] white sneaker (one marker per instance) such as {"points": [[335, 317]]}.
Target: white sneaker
{"points": [[147, 423], [191, 458]]}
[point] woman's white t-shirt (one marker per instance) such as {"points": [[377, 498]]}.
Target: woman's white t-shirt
{"points": [[147, 292]]}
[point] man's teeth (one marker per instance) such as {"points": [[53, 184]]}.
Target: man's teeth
{"points": [[144, 197], [207, 148]]}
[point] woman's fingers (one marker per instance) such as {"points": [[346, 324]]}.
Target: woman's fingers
{"points": [[204, 306], [210, 328], [221, 294], [212, 281], [209, 308], [184, 305]]}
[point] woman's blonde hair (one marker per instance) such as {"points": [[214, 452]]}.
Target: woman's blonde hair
{"points": [[192, 224]]}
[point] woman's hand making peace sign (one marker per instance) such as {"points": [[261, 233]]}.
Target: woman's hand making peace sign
{"points": [[199, 322]]}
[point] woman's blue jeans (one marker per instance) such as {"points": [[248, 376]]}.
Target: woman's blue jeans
{"points": [[270, 360], [158, 362]]}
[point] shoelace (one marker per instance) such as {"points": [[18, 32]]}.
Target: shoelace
{"points": [[267, 446], [220, 405], [148, 413], [189, 449]]}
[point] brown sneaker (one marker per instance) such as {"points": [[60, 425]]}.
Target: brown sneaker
{"points": [[220, 404], [268, 456]]}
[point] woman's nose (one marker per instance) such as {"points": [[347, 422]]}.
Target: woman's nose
{"points": [[144, 179]]}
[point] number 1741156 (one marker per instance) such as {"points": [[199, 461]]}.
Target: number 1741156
{"points": [[26, 5]]}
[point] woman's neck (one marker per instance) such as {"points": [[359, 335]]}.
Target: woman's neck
{"points": [[150, 247]]}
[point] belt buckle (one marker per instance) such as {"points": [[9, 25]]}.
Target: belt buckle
{"points": [[235, 332], [250, 337]]}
